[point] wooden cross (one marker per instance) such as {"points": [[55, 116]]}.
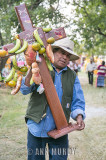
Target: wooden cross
{"points": [[52, 98]]}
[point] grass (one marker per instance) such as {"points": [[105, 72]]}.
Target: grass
{"points": [[85, 145], [90, 143], [12, 125], [94, 96]]}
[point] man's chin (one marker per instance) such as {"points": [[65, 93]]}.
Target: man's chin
{"points": [[61, 66]]}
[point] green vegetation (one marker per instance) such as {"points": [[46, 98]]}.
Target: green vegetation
{"points": [[90, 25]]}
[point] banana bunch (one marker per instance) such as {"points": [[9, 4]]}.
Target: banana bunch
{"points": [[11, 75], [23, 48], [16, 49], [14, 60]]}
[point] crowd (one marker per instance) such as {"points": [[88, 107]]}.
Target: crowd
{"points": [[90, 68]]}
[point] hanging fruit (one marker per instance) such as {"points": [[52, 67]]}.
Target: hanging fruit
{"points": [[37, 37], [36, 46], [24, 69], [47, 29], [3, 53], [42, 50], [23, 48], [11, 83], [50, 40], [16, 47]]}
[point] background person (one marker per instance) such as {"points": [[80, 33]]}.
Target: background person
{"points": [[39, 118], [90, 69], [101, 75], [74, 66]]}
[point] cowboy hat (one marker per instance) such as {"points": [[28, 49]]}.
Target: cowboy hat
{"points": [[67, 45]]}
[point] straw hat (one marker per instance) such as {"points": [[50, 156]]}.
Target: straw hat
{"points": [[67, 45]]}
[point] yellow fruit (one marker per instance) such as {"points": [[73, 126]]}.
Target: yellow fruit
{"points": [[42, 50], [11, 83], [36, 46], [24, 69], [3, 53], [16, 37], [50, 40], [16, 47]]}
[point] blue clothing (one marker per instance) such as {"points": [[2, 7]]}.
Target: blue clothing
{"points": [[100, 81], [58, 148], [47, 123]]}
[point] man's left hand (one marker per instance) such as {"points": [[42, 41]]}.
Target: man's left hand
{"points": [[80, 122]]}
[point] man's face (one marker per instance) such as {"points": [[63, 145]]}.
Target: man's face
{"points": [[61, 59]]}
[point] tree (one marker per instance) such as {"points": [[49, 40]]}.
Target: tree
{"points": [[90, 24]]}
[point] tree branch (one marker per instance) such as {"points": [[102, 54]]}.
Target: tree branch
{"points": [[100, 32], [34, 5], [95, 31]]}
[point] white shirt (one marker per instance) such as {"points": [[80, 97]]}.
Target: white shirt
{"points": [[91, 67]]}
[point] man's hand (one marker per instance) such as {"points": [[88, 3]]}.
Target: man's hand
{"points": [[80, 122], [28, 77]]}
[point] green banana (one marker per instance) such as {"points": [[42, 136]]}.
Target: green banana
{"points": [[31, 81], [16, 47], [14, 60], [15, 77], [0, 77], [47, 29], [23, 48], [37, 37], [49, 64], [11, 75]]}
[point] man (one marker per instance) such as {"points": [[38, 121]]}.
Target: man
{"points": [[40, 121], [90, 69]]}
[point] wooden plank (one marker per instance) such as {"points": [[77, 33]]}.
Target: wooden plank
{"points": [[23, 17], [52, 97]]}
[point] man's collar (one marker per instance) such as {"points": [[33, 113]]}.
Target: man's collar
{"points": [[64, 69]]}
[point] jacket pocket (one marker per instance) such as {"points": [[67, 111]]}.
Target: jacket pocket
{"points": [[66, 104]]}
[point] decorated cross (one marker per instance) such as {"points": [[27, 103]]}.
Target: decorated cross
{"points": [[62, 127]]}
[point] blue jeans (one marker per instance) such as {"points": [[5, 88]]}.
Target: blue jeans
{"points": [[57, 148]]}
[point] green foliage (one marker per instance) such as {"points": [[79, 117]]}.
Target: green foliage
{"points": [[42, 13], [90, 24]]}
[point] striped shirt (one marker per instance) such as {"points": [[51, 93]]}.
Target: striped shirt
{"points": [[101, 70]]}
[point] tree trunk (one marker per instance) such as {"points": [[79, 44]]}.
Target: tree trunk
{"points": [[2, 63], [1, 39]]}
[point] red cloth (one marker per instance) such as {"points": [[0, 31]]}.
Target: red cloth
{"points": [[101, 70]]}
